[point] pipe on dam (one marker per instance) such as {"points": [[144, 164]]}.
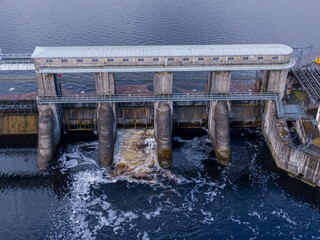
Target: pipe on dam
{"points": [[164, 134], [46, 143], [105, 135]]}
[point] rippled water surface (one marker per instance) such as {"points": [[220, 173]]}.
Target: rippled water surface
{"points": [[135, 198]]}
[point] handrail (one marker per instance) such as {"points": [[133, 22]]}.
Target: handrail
{"points": [[164, 98]]}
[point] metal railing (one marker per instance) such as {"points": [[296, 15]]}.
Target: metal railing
{"points": [[18, 106], [306, 85], [157, 98], [17, 61], [186, 97], [307, 150], [16, 55], [15, 58]]}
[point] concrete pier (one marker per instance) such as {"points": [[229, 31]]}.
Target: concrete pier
{"points": [[222, 133], [105, 134], [48, 84], [105, 84], [164, 134], [218, 117], [49, 132], [106, 118], [276, 81], [163, 111]]}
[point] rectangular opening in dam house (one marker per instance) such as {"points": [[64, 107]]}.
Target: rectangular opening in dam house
{"points": [[260, 58], [245, 58], [230, 58], [64, 60], [185, 59], [170, 59], [49, 61], [125, 60], [201, 59], [94, 60], [79, 60], [140, 59], [110, 60], [215, 59], [156, 59], [275, 58]]}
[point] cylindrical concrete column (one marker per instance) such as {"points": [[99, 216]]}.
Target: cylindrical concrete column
{"points": [[46, 145], [162, 84], [105, 135], [164, 136], [222, 133], [218, 116]]}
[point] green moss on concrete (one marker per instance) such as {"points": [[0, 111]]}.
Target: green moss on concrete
{"points": [[165, 157], [316, 142], [222, 159], [300, 94]]}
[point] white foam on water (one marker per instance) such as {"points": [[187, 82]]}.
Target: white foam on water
{"points": [[76, 156], [152, 214], [180, 140], [196, 150], [90, 214], [135, 158], [257, 215], [284, 215]]}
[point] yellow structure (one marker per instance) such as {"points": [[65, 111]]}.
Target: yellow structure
{"points": [[317, 60]]}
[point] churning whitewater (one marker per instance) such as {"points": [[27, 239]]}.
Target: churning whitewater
{"points": [[137, 199]]}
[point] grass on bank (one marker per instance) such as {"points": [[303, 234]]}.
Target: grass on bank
{"points": [[300, 94], [316, 142]]}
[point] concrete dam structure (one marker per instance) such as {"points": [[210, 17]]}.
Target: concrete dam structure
{"points": [[164, 109], [104, 62]]}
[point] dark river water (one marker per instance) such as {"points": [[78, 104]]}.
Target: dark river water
{"points": [[135, 198]]}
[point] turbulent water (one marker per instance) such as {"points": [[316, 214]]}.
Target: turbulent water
{"points": [[135, 198]]}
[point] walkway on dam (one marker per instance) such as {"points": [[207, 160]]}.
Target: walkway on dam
{"points": [[16, 62], [284, 111]]}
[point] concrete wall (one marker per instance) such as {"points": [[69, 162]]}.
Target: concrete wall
{"points": [[287, 157], [18, 124]]}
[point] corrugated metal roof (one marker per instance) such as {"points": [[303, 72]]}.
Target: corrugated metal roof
{"points": [[161, 51]]}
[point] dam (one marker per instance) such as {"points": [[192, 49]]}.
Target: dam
{"points": [[164, 109]]}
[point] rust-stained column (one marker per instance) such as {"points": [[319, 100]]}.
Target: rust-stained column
{"points": [[162, 84], [49, 132], [218, 119], [106, 119]]}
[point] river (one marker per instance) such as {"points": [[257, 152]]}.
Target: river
{"points": [[135, 198]]}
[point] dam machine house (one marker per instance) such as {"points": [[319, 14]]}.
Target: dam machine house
{"points": [[106, 61]]}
